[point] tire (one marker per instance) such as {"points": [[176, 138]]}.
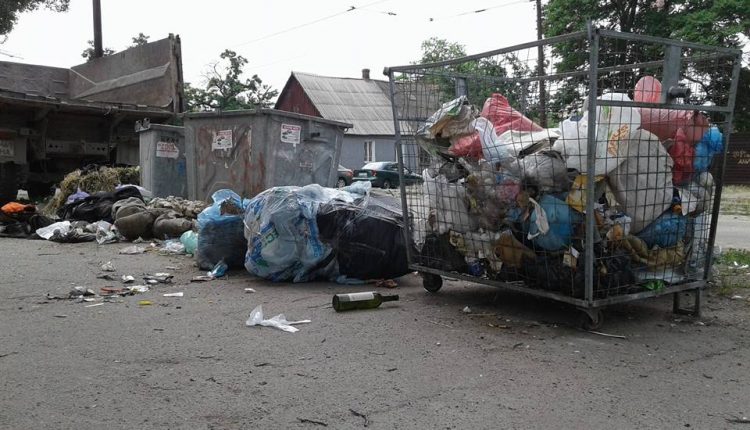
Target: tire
{"points": [[341, 183], [593, 320], [387, 184], [431, 282]]}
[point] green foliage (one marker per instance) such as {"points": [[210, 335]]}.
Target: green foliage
{"points": [[139, 40], [88, 53], [226, 89], [10, 9], [483, 77], [710, 22]]}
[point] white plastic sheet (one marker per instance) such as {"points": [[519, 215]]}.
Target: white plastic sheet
{"points": [[47, 232], [279, 321]]}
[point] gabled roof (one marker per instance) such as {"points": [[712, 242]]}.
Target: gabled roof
{"points": [[362, 102]]}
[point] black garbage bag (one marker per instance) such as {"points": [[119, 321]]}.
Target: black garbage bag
{"points": [[222, 239], [438, 253], [368, 241], [97, 206]]}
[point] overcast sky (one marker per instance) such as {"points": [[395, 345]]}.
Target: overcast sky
{"points": [[342, 45]]}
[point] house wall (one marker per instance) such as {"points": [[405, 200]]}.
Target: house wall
{"points": [[294, 99]]}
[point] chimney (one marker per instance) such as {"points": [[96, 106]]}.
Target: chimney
{"points": [[366, 74]]}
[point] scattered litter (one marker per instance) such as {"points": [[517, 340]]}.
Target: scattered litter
{"points": [[279, 321], [437, 343], [145, 303], [108, 266], [307, 420], [519, 344], [736, 265], [361, 415], [392, 369], [61, 316], [159, 278], [132, 250], [172, 267], [138, 289], [105, 276], [386, 283], [113, 291], [466, 310], [738, 420], [737, 297], [180, 294], [174, 246], [219, 270], [80, 292], [92, 305], [250, 290], [126, 279], [618, 336], [202, 278]]}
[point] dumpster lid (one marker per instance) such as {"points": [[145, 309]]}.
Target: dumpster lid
{"points": [[262, 111]]}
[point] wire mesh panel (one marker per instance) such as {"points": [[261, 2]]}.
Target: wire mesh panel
{"points": [[576, 167]]}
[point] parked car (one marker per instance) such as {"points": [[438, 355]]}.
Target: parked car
{"points": [[345, 177], [384, 174]]}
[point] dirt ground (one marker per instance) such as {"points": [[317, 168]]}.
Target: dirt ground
{"points": [[190, 362]]}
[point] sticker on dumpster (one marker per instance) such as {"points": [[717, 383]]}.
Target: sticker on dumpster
{"points": [[291, 133], [222, 140], [7, 149], [167, 150]]}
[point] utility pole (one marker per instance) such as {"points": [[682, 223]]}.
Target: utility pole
{"points": [[540, 67], [98, 50]]}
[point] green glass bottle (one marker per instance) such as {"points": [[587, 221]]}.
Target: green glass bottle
{"points": [[368, 300]]}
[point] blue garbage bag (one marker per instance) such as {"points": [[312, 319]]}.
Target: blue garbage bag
{"points": [[283, 242], [561, 219], [221, 231], [711, 144], [665, 231]]}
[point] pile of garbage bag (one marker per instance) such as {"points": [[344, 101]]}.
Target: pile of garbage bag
{"points": [[308, 233], [505, 198]]}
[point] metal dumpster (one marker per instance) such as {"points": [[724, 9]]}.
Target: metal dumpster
{"points": [[249, 151], [586, 182], [162, 160]]}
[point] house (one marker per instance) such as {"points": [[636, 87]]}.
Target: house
{"points": [[54, 120], [363, 102]]}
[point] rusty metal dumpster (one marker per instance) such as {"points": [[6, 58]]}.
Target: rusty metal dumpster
{"points": [[249, 151], [162, 160]]}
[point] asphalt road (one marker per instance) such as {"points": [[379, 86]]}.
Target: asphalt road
{"points": [[190, 362]]}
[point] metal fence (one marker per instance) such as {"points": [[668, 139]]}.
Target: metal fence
{"points": [[583, 178]]}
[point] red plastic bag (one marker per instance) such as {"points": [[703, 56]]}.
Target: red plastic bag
{"points": [[665, 122], [498, 111], [683, 154], [468, 145]]}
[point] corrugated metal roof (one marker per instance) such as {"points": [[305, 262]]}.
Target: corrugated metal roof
{"points": [[363, 103]]}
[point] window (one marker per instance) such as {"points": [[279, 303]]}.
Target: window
{"points": [[369, 151]]}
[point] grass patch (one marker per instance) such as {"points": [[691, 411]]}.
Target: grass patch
{"points": [[734, 257], [730, 272]]}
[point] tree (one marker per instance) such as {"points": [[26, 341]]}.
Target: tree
{"points": [[711, 22], [10, 9], [482, 77], [226, 89], [88, 53], [139, 40]]}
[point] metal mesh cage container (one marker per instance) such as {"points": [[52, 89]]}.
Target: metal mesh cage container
{"points": [[575, 168]]}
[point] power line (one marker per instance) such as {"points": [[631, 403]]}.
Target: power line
{"points": [[296, 27], [472, 12]]}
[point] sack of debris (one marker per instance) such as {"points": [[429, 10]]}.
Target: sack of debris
{"points": [[665, 122], [614, 126], [221, 231]]}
